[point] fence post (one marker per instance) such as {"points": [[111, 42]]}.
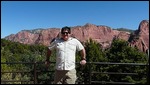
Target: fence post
{"points": [[35, 76], [147, 74], [148, 67], [90, 71]]}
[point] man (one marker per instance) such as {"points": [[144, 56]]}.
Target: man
{"points": [[66, 47]]}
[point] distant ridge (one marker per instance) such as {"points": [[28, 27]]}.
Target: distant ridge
{"points": [[102, 34]]}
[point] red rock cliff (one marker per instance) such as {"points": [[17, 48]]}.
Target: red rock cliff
{"points": [[102, 34]]}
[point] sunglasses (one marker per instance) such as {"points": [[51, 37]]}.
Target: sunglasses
{"points": [[65, 33]]}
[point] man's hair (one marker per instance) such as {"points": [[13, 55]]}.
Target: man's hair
{"points": [[66, 28]]}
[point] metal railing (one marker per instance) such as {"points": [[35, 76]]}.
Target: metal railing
{"points": [[118, 73], [35, 72]]}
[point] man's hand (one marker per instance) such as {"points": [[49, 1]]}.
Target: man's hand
{"points": [[83, 62], [47, 63]]}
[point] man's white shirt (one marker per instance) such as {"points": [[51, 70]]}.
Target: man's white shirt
{"points": [[65, 52]]}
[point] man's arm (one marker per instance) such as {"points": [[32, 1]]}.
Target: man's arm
{"points": [[83, 54], [48, 54], [47, 62], [83, 57]]}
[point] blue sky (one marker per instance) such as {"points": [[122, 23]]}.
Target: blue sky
{"points": [[28, 15]]}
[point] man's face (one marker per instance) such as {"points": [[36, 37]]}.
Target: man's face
{"points": [[65, 35]]}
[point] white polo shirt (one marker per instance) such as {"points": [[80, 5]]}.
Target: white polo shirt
{"points": [[65, 52]]}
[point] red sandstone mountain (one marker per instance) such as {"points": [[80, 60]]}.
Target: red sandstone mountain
{"points": [[102, 34]]}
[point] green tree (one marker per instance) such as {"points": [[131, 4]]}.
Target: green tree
{"points": [[94, 53], [121, 52]]}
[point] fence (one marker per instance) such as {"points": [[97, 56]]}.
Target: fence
{"points": [[86, 75]]}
